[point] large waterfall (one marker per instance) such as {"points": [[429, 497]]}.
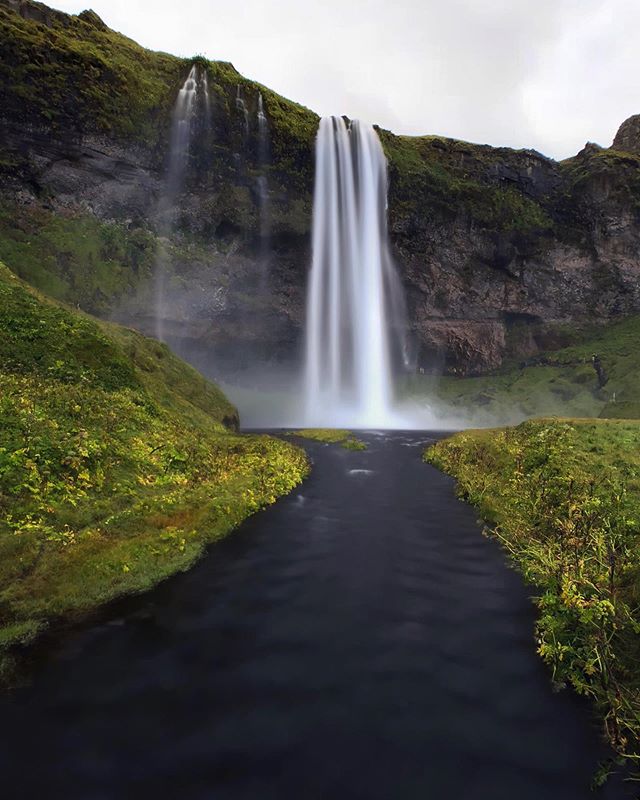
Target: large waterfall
{"points": [[355, 305]]}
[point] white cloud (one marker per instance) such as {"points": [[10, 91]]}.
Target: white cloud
{"points": [[547, 74]]}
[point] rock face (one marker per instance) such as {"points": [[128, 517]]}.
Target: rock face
{"points": [[628, 136], [510, 247], [499, 250]]}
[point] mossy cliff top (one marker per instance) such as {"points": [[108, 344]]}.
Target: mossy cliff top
{"points": [[119, 463], [72, 74], [518, 193]]}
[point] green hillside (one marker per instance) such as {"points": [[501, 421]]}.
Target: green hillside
{"points": [[119, 463]]}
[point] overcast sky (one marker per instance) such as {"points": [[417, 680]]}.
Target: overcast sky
{"points": [[547, 74]]}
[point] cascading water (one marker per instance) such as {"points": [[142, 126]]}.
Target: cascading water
{"points": [[355, 305], [242, 107], [207, 100], [262, 117], [263, 189], [182, 126]]}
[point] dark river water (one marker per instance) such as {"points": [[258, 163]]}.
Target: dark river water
{"points": [[360, 639]]}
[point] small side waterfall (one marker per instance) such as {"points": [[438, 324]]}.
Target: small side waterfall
{"points": [[263, 188], [207, 100], [184, 113], [181, 124], [242, 107], [355, 304]]}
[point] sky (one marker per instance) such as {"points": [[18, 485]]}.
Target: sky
{"points": [[546, 74]]}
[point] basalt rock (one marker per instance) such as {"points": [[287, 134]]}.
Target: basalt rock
{"points": [[499, 250], [628, 136]]}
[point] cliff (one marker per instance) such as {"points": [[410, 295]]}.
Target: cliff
{"points": [[499, 250]]}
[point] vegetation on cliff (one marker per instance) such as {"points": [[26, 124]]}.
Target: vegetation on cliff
{"points": [[74, 256], [560, 382], [563, 497], [119, 88], [118, 464], [455, 177]]}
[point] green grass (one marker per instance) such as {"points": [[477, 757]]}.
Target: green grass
{"points": [[331, 436], [560, 382], [563, 497], [119, 87], [75, 257], [119, 463]]}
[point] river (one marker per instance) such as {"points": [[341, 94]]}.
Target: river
{"points": [[359, 639]]}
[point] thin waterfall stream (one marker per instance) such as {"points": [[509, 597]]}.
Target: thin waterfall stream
{"points": [[194, 90]]}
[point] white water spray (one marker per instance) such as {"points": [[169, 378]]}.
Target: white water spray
{"points": [[355, 304]]}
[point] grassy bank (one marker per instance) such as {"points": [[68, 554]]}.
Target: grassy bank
{"points": [[563, 497], [118, 464]]}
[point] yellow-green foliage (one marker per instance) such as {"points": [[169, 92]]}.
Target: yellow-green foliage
{"points": [[331, 436], [563, 497], [117, 464]]}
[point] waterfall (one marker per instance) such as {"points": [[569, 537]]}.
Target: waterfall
{"points": [[207, 100], [181, 124], [262, 117], [242, 107], [263, 189], [182, 128], [355, 303]]}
